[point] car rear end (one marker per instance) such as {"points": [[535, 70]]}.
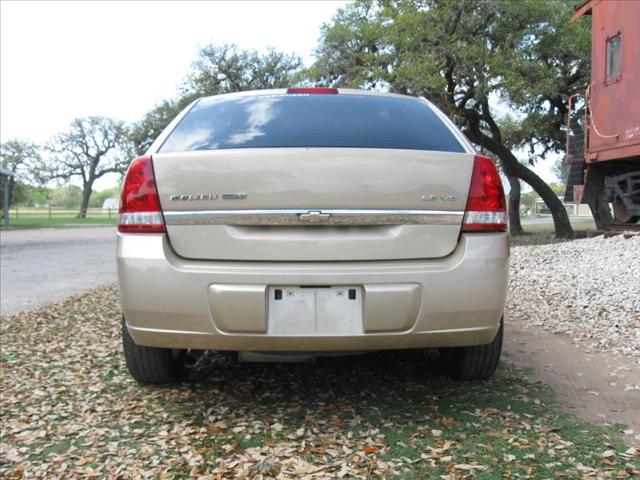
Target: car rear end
{"points": [[312, 220]]}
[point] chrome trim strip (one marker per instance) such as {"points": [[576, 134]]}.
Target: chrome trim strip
{"points": [[298, 217]]}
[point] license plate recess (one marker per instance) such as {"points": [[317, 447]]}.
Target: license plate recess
{"points": [[320, 311]]}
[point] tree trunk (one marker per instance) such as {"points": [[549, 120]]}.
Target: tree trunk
{"points": [[86, 196], [515, 227], [561, 223], [512, 167]]}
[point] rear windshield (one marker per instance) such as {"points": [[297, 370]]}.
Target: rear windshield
{"points": [[342, 120]]}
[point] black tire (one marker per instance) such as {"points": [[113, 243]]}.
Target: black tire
{"points": [[151, 365], [477, 362]]}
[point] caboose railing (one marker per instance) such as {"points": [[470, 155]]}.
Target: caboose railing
{"points": [[576, 146]]}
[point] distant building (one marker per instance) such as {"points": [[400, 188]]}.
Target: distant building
{"points": [[573, 209], [110, 203]]}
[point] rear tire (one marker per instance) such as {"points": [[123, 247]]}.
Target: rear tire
{"points": [[477, 362], [151, 365]]}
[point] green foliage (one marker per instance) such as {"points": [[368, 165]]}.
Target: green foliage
{"points": [[561, 170], [23, 158], [93, 147], [27, 195], [217, 70], [17, 193], [528, 199], [145, 131], [465, 55], [69, 196], [558, 188], [553, 64], [472, 58], [355, 50], [502, 69], [226, 69], [98, 198]]}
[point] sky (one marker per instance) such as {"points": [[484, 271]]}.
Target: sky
{"points": [[63, 60]]}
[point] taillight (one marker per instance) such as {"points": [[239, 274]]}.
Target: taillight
{"points": [[312, 91], [140, 210], [486, 206]]}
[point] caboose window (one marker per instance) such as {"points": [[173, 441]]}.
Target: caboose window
{"points": [[614, 66]]}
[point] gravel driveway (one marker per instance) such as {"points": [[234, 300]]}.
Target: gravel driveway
{"points": [[587, 289], [45, 265], [573, 322]]}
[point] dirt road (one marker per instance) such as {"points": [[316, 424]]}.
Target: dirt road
{"points": [[45, 265], [596, 386]]}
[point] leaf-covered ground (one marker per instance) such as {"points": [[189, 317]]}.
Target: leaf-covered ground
{"points": [[69, 409]]}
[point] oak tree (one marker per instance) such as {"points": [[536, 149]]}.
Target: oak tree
{"points": [[22, 157], [93, 147], [474, 59], [218, 69]]}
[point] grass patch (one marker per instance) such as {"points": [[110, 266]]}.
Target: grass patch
{"points": [[28, 217], [69, 409], [578, 223], [60, 222], [544, 233]]}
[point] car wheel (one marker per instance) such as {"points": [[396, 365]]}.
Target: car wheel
{"points": [[151, 365], [477, 362]]}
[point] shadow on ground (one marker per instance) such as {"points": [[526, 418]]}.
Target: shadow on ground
{"points": [[390, 379]]}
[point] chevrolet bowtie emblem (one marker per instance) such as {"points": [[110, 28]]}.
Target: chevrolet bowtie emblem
{"points": [[314, 216]]}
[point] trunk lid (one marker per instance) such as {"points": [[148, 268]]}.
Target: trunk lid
{"points": [[313, 204]]}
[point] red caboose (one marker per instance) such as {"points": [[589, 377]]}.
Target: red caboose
{"points": [[606, 168]]}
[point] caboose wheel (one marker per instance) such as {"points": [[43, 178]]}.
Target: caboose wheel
{"points": [[621, 215]]}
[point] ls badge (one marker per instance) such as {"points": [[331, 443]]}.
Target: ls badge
{"points": [[430, 197]]}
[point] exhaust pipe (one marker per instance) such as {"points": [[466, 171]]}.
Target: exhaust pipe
{"points": [[192, 357]]}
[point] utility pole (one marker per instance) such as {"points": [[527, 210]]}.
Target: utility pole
{"points": [[6, 175]]}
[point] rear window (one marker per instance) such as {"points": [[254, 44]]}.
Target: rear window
{"points": [[343, 120]]}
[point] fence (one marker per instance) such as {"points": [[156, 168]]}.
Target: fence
{"points": [[16, 213], [57, 216]]}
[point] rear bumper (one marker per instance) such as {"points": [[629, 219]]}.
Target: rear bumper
{"points": [[172, 302]]}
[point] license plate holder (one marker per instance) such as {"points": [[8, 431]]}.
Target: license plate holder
{"points": [[314, 311]]}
